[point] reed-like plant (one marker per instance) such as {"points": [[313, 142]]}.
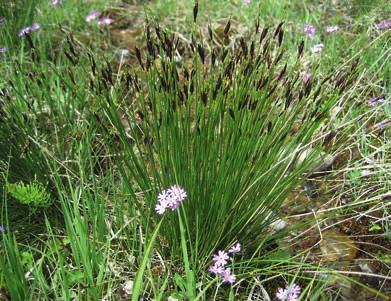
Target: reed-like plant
{"points": [[228, 124]]}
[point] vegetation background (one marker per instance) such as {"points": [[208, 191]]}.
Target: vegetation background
{"points": [[276, 126]]}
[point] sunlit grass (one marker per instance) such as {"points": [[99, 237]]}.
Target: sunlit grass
{"points": [[94, 140]]}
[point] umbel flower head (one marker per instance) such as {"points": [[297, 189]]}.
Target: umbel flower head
{"points": [[384, 25], [170, 198], [220, 261], [309, 30], [235, 249], [28, 29], [290, 293]]}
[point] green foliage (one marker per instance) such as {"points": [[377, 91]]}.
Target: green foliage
{"points": [[11, 267], [107, 141], [33, 194], [229, 128]]}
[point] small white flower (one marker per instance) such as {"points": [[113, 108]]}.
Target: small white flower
{"points": [[105, 21], [92, 16], [317, 48], [332, 28], [128, 287]]}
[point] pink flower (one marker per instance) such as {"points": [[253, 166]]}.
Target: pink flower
{"points": [[215, 269], [24, 31], [93, 15], [305, 75], [221, 258], [177, 192], [28, 29], [309, 30], [228, 276], [35, 27], [163, 196], [170, 198], [3, 49], [246, 2], [385, 24], [105, 21], [235, 249], [332, 28], [161, 208], [290, 293], [56, 2]]}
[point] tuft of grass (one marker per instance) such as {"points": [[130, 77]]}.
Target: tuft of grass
{"points": [[221, 112]]}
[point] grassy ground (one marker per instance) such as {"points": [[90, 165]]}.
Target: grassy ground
{"points": [[96, 120]]}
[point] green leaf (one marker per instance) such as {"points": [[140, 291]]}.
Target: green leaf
{"points": [[75, 277], [138, 283], [180, 282], [375, 227], [279, 255]]}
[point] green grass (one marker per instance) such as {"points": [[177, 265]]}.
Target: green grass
{"points": [[88, 142]]}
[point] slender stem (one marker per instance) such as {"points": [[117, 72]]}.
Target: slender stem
{"points": [[138, 284], [188, 271]]}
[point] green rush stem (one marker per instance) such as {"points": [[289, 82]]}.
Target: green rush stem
{"points": [[138, 283], [188, 271]]}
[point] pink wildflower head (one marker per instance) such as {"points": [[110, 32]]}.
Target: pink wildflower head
{"points": [[221, 258], [161, 208], [170, 198], [93, 15], [290, 293], [105, 21], [228, 276], [332, 28], [235, 249], [305, 75], [176, 196], [383, 25], [246, 2], [56, 2], [309, 30], [35, 26], [3, 49], [215, 269], [26, 30]]}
